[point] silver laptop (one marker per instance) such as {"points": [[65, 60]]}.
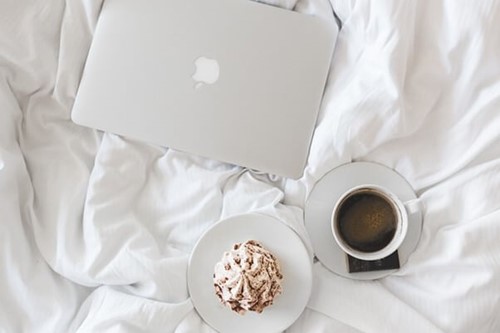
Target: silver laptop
{"points": [[233, 80]]}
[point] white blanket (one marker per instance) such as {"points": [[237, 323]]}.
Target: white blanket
{"points": [[96, 229]]}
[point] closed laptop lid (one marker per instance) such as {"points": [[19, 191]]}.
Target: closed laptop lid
{"points": [[231, 80]]}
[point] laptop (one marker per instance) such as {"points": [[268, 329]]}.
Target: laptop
{"points": [[232, 80]]}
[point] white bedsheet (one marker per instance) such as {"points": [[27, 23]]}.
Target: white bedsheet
{"points": [[95, 229]]}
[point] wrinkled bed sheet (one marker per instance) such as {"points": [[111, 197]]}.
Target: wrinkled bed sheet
{"points": [[96, 229]]}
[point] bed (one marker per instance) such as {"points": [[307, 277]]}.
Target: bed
{"points": [[96, 229]]}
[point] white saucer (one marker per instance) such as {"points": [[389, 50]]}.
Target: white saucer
{"points": [[320, 204], [275, 236]]}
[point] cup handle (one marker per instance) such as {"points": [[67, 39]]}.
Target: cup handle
{"points": [[412, 206]]}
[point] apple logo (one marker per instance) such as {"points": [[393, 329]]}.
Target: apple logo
{"points": [[206, 71]]}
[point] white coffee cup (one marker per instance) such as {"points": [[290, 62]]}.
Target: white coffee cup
{"points": [[402, 211]]}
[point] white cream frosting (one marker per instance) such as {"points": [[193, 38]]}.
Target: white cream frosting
{"points": [[247, 278]]}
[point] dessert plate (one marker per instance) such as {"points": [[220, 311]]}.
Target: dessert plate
{"points": [[327, 191], [279, 239]]}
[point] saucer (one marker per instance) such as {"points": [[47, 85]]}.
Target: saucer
{"points": [[279, 239], [328, 190]]}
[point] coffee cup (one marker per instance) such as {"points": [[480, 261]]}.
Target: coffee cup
{"points": [[369, 222]]}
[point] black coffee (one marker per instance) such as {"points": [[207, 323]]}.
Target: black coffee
{"points": [[367, 221]]}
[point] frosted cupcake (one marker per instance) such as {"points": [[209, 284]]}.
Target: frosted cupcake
{"points": [[248, 278]]}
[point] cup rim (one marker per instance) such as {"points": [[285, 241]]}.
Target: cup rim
{"points": [[401, 225]]}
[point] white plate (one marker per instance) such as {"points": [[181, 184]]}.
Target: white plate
{"points": [[328, 190], [275, 236]]}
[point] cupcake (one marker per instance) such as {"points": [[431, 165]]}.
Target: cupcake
{"points": [[248, 278]]}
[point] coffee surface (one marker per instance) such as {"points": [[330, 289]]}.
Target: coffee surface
{"points": [[367, 222]]}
